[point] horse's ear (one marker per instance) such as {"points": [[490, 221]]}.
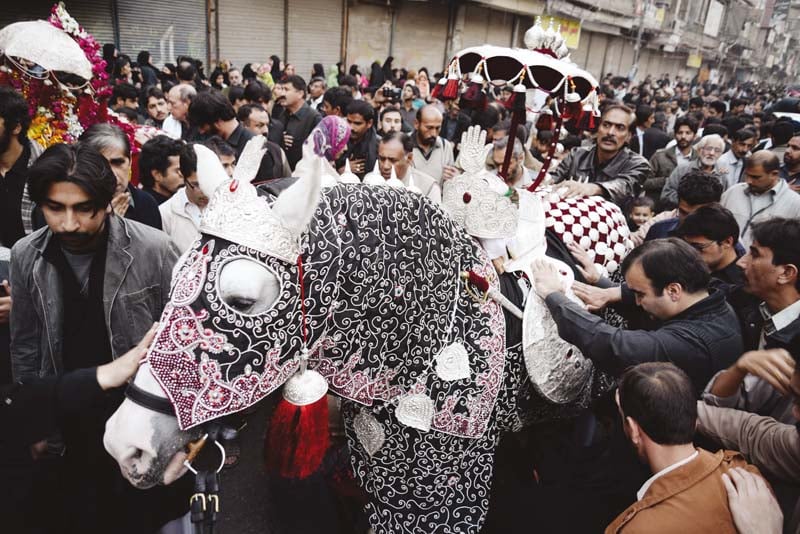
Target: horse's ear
{"points": [[296, 205], [210, 172]]}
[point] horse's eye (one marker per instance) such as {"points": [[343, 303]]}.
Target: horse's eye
{"points": [[241, 304], [247, 286]]}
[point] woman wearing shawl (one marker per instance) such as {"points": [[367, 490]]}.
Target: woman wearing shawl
{"points": [[376, 75], [276, 69], [327, 142], [333, 76], [423, 84]]}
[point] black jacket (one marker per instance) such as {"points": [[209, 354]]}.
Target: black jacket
{"points": [[654, 139], [701, 340], [143, 208], [620, 178]]}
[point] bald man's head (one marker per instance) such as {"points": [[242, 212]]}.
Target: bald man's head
{"points": [[428, 125], [765, 158]]}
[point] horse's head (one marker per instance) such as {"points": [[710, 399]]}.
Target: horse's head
{"points": [[231, 331]]}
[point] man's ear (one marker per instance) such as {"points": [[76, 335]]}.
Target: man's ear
{"points": [[788, 274], [635, 431], [416, 124], [674, 291]]}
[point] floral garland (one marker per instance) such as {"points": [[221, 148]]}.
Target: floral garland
{"points": [[60, 114]]}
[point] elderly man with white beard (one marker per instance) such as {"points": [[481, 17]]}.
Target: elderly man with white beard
{"points": [[709, 150]]}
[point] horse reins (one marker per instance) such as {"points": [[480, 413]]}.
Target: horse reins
{"points": [[204, 504]]}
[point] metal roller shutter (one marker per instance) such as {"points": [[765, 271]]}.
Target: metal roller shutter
{"points": [[368, 38], [165, 29], [95, 16], [315, 34], [250, 30], [486, 26], [420, 36]]}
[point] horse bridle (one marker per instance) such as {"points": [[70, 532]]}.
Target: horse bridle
{"points": [[204, 502]]}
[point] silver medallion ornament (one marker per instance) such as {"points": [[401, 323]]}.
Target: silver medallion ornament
{"points": [[558, 370], [369, 431], [452, 363], [415, 410]]}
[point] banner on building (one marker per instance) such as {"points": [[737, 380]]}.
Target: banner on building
{"points": [[570, 29], [694, 61], [714, 18]]}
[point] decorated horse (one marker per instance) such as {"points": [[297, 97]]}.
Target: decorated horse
{"points": [[375, 295]]}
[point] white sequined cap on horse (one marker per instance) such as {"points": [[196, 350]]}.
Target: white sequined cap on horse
{"points": [[236, 212]]}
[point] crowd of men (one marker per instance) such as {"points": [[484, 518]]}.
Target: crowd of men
{"points": [[708, 175]]}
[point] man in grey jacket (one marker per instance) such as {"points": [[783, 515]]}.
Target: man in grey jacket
{"points": [[608, 168], [762, 196], [86, 288]]}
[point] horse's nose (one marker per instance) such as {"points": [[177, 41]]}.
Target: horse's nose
{"points": [[131, 451]]}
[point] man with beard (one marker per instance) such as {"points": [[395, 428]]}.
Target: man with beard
{"points": [[709, 149], [433, 154], [17, 153], [608, 168], [732, 161], [790, 170], [156, 106], [762, 196], [87, 287], [666, 159], [362, 148], [297, 117], [769, 312], [686, 492]]}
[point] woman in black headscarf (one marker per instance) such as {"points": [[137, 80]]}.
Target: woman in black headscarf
{"points": [[276, 71], [318, 71], [376, 76]]}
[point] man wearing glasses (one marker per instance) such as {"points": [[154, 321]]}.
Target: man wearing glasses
{"points": [[713, 232], [709, 150], [180, 215]]}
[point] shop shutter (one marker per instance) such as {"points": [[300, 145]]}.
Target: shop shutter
{"points": [[250, 31], [165, 29], [315, 34], [95, 16], [368, 36], [420, 36]]}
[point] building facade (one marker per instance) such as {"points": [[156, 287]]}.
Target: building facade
{"points": [[718, 39]]}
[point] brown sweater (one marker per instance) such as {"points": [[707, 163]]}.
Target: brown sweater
{"points": [[688, 499]]}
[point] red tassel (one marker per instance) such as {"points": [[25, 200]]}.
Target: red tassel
{"points": [[436, 91], [298, 439], [450, 89]]}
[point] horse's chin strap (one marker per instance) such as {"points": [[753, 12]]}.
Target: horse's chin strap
{"points": [[148, 400]]}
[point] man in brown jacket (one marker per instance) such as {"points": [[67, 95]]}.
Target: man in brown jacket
{"points": [[686, 494]]}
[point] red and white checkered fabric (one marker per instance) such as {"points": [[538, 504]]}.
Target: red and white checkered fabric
{"points": [[597, 224]]}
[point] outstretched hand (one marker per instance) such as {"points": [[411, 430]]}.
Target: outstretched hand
{"points": [[6, 302], [118, 372], [753, 506], [472, 155], [545, 278], [583, 262], [596, 298], [776, 366]]}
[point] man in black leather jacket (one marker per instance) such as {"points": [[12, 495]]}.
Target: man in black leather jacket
{"points": [[608, 168], [697, 330]]}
